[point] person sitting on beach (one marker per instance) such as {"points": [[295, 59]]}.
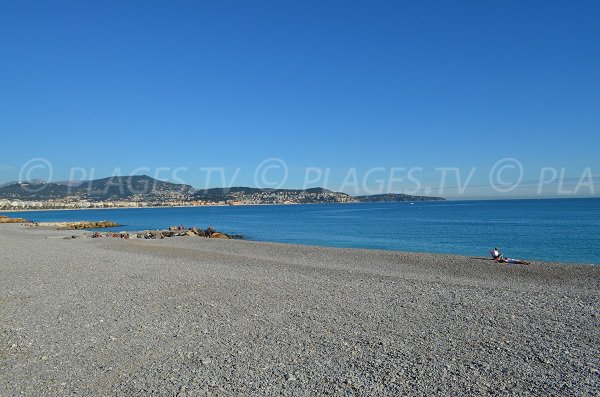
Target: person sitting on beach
{"points": [[496, 255], [210, 231]]}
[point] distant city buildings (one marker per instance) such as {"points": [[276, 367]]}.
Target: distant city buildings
{"points": [[171, 199]]}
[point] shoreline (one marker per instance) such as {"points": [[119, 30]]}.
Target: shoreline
{"points": [[217, 205], [119, 229], [55, 232], [175, 206]]}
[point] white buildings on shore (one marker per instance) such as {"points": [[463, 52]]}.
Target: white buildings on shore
{"points": [[169, 199], [61, 204]]}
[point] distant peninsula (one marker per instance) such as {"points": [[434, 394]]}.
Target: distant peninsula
{"points": [[144, 191]]}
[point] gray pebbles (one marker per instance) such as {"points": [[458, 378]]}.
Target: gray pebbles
{"points": [[192, 317]]}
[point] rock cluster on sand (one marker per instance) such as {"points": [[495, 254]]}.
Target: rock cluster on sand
{"points": [[86, 225], [78, 225], [173, 231]]}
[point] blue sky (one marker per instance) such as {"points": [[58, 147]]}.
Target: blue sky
{"points": [[111, 87]]}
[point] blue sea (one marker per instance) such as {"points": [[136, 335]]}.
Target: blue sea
{"points": [[566, 230]]}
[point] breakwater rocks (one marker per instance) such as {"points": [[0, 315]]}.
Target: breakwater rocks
{"points": [[6, 219], [84, 225], [78, 225], [173, 231]]}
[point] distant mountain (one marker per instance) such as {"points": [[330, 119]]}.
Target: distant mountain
{"points": [[33, 190], [271, 196], [223, 191], [15, 182], [142, 188], [7, 184], [395, 197], [70, 183], [134, 188], [219, 191], [117, 188]]}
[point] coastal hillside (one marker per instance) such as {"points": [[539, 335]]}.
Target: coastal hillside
{"points": [[142, 190], [133, 188], [394, 197]]}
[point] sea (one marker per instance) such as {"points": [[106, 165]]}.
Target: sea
{"points": [[563, 230]]}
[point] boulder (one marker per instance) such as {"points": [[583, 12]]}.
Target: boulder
{"points": [[201, 232], [156, 234], [219, 235]]}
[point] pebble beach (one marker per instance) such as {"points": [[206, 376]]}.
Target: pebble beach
{"points": [[194, 316]]}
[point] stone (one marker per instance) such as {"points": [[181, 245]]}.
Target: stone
{"points": [[156, 234], [219, 235], [206, 361], [201, 232]]}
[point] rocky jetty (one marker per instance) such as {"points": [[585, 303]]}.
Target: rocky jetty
{"points": [[89, 225], [78, 225], [6, 219], [173, 231]]}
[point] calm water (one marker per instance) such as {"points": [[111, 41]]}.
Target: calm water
{"points": [[556, 230]]}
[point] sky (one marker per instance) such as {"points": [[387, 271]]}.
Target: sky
{"points": [[353, 96]]}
